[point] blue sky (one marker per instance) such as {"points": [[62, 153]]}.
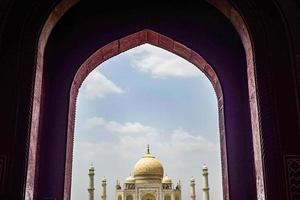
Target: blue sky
{"points": [[146, 95]]}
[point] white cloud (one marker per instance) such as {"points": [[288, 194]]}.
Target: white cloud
{"points": [[96, 85], [112, 126], [181, 153], [161, 63], [135, 135]]}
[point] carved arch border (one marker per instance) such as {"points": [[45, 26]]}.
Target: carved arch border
{"points": [[222, 5], [118, 46]]}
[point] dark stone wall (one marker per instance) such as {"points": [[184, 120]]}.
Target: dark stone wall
{"points": [[20, 25]]}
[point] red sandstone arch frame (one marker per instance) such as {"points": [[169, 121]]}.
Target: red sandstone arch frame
{"points": [[116, 47]]}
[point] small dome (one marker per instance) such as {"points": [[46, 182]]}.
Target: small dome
{"points": [[192, 179], [130, 179], [167, 179], [91, 167], [148, 167]]}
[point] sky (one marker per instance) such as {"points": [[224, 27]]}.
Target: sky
{"points": [[143, 96]]}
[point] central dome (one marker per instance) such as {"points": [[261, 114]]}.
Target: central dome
{"points": [[148, 167]]}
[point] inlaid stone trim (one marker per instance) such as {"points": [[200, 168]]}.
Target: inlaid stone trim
{"points": [[32, 166], [238, 22], [292, 163]]}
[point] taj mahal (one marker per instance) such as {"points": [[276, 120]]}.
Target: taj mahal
{"points": [[149, 183]]}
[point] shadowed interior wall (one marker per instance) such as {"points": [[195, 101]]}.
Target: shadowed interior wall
{"points": [[86, 28]]}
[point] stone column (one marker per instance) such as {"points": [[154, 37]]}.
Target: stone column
{"points": [[193, 193], [103, 196], [91, 185], [172, 196], [205, 187]]}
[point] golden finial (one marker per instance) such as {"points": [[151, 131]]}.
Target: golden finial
{"points": [[148, 149]]}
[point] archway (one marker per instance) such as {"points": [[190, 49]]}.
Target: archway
{"points": [[148, 196], [111, 50], [167, 197], [163, 104], [124, 44], [129, 197]]}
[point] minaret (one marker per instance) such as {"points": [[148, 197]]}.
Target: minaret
{"points": [[91, 185], [205, 187], [193, 193], [179, 185], [103, 196]]}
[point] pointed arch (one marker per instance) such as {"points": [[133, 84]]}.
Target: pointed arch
{"points": [[145, 36], [116, 47]]}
